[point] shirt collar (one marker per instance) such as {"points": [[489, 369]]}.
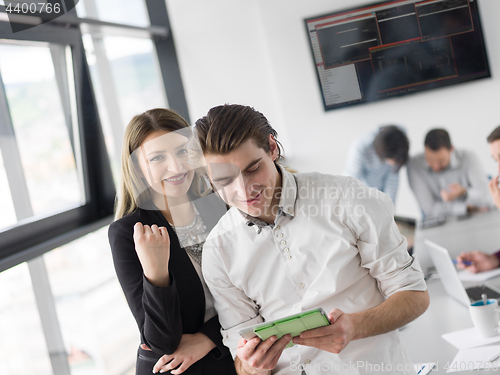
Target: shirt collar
{"points": [[288, 192], [286, 205]]}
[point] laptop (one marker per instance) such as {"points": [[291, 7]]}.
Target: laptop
{"points": [[451, 281]]}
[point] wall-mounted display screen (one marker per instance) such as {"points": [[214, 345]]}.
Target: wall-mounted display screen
{"points": [[394, 48]]}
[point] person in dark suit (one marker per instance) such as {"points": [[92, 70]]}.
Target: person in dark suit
{"points": [[164, 212]]}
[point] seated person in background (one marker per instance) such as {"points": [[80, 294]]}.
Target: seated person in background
{"points": [[376, 157], [447, 182], [292, 242], [494, 141], [481, 261]]}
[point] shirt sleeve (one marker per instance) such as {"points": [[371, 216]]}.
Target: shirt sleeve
{"points": [[355, 162], [391, 185], [432, 206], [382, 248], [235, 309], [155, 309], [477, 192]]}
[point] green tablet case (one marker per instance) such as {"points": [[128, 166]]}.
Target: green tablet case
{"points": [[293, 325]]}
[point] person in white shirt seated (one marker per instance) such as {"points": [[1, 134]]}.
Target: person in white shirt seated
{"points": [[446, 181], [494, 184], [293, 242], [480, 261]]}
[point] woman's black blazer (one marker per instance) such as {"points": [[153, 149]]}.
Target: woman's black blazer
{"points": [[163, 314]]}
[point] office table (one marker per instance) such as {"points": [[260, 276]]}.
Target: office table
{"points": [[422, 337], [480, 231]]}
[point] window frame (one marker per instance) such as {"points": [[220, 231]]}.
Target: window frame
{"points": [[32, 237]]}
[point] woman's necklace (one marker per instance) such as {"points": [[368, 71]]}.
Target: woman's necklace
{"points": [[193, 236]]}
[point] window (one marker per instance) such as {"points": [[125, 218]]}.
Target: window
{"points": [[8, 216], [56, 180], [42, 128], [130, 12], [20, 326], [53, 152], [110, 59], [99, 332]]}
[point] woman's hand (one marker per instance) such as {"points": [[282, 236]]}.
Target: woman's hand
{"points": [[479, 261], [152, 245], [191, 349]]}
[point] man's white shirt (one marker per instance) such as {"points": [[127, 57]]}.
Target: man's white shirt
{"points": [[334, 245]]}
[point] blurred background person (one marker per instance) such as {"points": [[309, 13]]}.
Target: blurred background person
{"points": [[482, 261], [446, 181], [375, 158], [494, 185]]}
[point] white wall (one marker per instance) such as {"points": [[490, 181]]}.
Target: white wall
{"points": [[223, 55], [257, 53]]}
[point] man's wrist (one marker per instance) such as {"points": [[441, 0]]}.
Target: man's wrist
{"points": [[356, 320], [243, 368]]}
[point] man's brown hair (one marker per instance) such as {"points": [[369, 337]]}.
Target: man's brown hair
{"points": [[392, 143], [226, 127], [437, 139], [494, 136]]}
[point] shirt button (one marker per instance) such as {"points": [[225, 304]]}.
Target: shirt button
{"points": [[286, 250], [302, 285], [289, 257], [280, 235], [283, 242], [290, 210], [307, 361], [277, 227]]}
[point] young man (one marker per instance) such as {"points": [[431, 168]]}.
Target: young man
{"points": [[481, 261], [375, 158], [293, 242], [447, 182]]}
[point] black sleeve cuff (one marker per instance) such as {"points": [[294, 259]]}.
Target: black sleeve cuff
{"points": [[159, 290], [162, 330], [212, 330]]}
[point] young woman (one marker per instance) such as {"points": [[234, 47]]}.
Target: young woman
{"points": [[163, 215]]}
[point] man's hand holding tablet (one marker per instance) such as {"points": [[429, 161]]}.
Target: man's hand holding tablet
{"points": [[258, 357], [332, 338], [261, 346]]}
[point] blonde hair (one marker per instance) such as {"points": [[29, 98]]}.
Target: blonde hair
{"points": [[133, 190]]}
